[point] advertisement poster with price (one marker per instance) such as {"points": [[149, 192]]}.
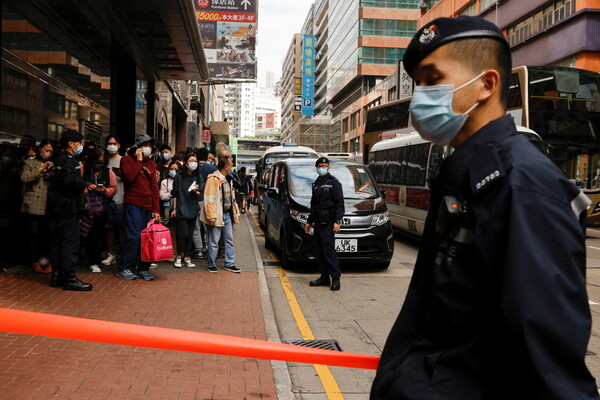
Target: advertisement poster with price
{"points": [[228, 30]]}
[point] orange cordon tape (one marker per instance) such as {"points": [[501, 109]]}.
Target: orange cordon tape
{"points": [[59, 326]]}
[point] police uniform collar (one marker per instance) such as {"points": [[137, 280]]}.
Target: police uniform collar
{"points": [[456, 165]]}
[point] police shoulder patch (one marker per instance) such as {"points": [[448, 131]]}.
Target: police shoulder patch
{"points": [[485, 169]]}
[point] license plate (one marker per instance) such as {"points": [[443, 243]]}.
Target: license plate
{"points": [[346, 245]]}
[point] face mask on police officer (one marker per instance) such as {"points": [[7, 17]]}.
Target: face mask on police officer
{"points": [[321, 171], [431, 112]]}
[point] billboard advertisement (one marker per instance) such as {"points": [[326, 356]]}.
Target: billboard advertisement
{"points": [[308, 74], [228, 30]]}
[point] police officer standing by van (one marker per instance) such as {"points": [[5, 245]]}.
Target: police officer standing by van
{"points": [[326, 213], [497, 306], [67, 203]]}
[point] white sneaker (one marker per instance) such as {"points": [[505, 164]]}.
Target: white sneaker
{"points": [[177, 263], [95, 268], [152, 265], [111, 259], [188, 263]]}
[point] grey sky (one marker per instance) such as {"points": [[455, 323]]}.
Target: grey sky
{"points": [[278, 20]]}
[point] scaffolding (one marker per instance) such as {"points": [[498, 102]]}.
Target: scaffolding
{"points": [[314, 132]]}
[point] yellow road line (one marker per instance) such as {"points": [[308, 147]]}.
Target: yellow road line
{"points": [[332, 390]]}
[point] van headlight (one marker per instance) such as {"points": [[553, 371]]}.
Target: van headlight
{"points": [[299, 216], [380, 219]]}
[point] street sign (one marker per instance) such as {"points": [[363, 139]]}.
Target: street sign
{"points": [[308, 74], [206, 135], [228, 31]]}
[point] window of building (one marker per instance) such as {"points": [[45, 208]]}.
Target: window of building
{"points": [[353, 121], [12, 115], [556, 12], [483, 4], [387, 27], [470, 9], [345, 125], [379, 55], [70, 110], [412, 4], [392, 94]]}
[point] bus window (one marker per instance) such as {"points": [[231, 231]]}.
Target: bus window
{"points": [[435, 160], [416, 164], [514, 92]]}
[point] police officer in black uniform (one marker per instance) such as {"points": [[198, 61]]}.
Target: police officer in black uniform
{"points": [[326, 213], [497, 306], [67, 202]]}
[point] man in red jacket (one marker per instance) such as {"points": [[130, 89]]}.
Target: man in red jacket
{"points": [[138, 173]]}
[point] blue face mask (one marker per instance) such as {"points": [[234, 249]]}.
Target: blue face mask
{"points": [[78, 150], [209, 162], [431, 112], [322, 171], [172, 173]]}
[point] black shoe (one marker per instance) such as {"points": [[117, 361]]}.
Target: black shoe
{"points": [[323, 280], [71, 282], [198, 256], [57, 279], [335, 284]]}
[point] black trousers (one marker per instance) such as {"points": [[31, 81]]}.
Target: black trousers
{"points": [[325, 247], [64, 252], [95, 240], [185, 233]]}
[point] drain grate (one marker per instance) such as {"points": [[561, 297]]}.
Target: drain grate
{"points": [[271, 262], [317, 344]]}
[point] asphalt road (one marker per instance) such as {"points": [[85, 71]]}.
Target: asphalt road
{"points": [[359, 316]]}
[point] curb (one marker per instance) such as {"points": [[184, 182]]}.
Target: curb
{"points": [[281, 374]]}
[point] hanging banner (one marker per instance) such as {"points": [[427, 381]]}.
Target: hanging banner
{"points": [[308, 74], [228, 30], [206, 135]]}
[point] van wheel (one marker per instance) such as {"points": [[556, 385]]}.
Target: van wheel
{"points": [[268, 244], [285, 261]]}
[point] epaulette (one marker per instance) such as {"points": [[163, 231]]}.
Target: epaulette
{"points": [[485, 169]]}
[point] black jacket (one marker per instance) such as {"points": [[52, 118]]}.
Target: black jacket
{"points": [[66, 189], [497, 306], [327, 195]]}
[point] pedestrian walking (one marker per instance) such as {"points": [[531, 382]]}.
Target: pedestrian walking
{"points": [[497, 306], [220, 212], [138, 172], [186, 191], [101, 187], [36, 176], [67, 204], [326, 213]]}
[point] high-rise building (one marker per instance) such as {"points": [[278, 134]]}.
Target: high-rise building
{"points": [[540, 32]]}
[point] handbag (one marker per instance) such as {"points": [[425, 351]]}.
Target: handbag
{"points": [[156, 242]]}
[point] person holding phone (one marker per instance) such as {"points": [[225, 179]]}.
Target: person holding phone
{"points": [[102, 186]]}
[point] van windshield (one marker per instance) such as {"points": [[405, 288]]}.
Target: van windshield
{"points": [[355, 179]]}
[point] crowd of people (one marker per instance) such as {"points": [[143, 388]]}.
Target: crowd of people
{"points": [[85, 201]]}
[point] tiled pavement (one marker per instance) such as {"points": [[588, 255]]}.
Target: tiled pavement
{"points": [[33, 367]]}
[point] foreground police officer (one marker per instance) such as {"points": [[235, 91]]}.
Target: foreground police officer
{"points": [[326, 212], [67, 203], [497, 306]]}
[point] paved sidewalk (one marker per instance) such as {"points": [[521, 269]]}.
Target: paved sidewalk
{"points": [[33, 367]]}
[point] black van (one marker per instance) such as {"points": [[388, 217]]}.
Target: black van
{"points": [[366, 235]]}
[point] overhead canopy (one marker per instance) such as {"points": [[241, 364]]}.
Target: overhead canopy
{"points": [[161, 36]]}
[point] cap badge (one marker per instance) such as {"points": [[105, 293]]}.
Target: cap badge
{"points": [[428, 35]]}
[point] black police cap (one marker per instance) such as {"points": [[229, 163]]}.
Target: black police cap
{"points": [[322, 160], [71, 135], [441, 31]]}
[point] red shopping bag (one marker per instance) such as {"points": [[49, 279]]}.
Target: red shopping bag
{"points": [[156, 243]]}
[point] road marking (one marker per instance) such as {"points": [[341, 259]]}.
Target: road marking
{"points": [[332, 389], [593, 303]]}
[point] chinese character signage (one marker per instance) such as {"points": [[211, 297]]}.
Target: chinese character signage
{"points": [[308, 74], [297, 86], [228, 30], [206, 133]]}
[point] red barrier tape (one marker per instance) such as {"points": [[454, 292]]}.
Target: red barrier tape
{"points": [[59, 326]]}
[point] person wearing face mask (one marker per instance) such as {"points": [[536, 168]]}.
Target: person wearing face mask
{"points": [[102, 186], [166, 198], [114, 210], [163, 160], [200, 238], [186, 191], [220, 213], [497, 306], [67, 204], [141, 204], [36, 175], [326, 213]]}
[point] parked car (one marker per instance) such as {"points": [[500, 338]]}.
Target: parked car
{"points": [[366, 235]]}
